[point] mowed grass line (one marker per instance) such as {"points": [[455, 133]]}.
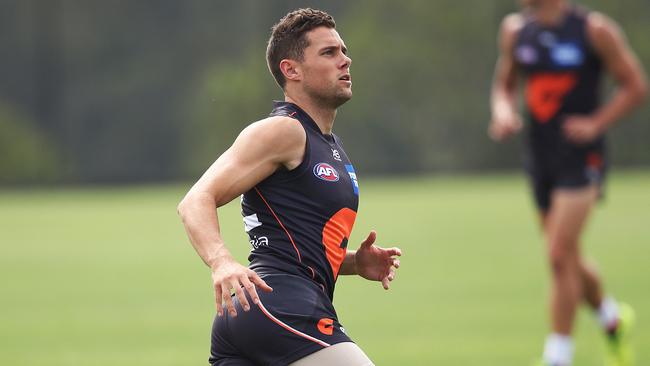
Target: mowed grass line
{"points": [[106, 276]]}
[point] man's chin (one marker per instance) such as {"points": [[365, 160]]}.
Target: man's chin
{"points": [[341, 99], [345, 96], [333, 101]]}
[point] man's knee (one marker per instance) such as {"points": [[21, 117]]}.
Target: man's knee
{"points": [[563, 256]]}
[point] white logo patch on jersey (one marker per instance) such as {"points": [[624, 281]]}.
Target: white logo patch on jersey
{"points": [[256, 242], [336, 155], [251, 222], [567, 54]]}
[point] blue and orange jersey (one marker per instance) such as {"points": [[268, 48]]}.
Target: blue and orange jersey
{"points": [[299, 221], [563, 75]]}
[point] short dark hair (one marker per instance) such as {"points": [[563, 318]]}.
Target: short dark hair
{"points": [[288, 40]]}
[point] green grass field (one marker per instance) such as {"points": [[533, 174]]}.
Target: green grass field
{"points": [[107, 277]]}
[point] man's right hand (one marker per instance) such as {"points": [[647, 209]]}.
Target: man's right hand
{"points": [[228, 276], [502, 127]]}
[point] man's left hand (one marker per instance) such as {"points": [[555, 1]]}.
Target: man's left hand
{"points": [[375, 263], [581, 129]]}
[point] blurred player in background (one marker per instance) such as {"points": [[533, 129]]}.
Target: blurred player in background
{"points": [[299, 200], [562, 50]]}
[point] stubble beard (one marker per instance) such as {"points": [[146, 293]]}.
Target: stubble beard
{"points": [[331, 98]]}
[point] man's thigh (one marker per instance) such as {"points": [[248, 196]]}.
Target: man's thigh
{"points": [[570, 209], [346, 353]]}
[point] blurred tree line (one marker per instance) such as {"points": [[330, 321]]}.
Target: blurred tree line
{"points": [[155, 90]]}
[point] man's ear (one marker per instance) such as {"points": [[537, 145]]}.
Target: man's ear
{"points": [[291, 69]]}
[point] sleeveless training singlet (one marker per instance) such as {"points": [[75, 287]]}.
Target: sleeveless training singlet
{"points": [[298, 223], [563, 76]]}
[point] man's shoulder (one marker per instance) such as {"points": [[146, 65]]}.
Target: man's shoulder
{"points": [[598, 23], [276, 132], [278, 126], [512, 23], [604, 33]]}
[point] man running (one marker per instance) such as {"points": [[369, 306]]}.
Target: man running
{"points": [[299, 200], [561, 50]]}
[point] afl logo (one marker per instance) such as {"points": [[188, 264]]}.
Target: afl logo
{"points": [[326, 172]]}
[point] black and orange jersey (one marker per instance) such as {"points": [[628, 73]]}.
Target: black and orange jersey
{"points": [[299, 220], [563, 76]]}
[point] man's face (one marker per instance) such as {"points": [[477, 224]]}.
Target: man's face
{"points": [[326, 68]]}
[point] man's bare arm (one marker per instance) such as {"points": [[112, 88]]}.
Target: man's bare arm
{"points": [[632, 88], [257, 152], [505, 118], [621, 62]]}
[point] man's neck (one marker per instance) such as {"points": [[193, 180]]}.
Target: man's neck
{"points": [[323, 116], [552, 12]]}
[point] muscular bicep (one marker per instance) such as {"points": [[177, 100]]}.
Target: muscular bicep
{"points": [[235, 173], [258, 152], [611, 45]]}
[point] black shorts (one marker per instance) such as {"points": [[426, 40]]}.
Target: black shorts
{"points": [[569, 170], [293, 321]]}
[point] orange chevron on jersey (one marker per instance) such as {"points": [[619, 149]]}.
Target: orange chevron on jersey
{"points": [[335, 237], [545, 93]]}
